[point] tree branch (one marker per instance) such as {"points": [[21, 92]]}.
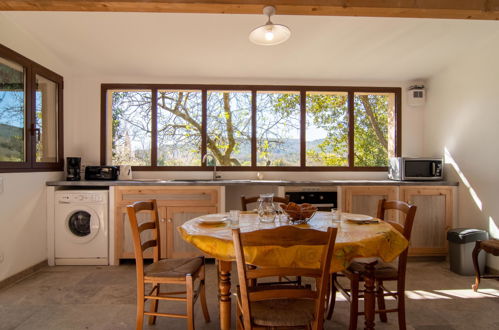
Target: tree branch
{"points": [[372, 119]]}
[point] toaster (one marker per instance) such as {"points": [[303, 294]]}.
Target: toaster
{"points": [[102, 172]]}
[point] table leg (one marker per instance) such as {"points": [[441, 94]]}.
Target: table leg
{"points": [[369, 296], [224, 269]]}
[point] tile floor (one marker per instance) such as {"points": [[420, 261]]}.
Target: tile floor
{"points": [[96, 297]]}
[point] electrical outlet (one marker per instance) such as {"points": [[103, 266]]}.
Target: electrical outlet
{"points": [[2, 257]]}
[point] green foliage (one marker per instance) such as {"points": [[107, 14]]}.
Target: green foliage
{"points": [[328, 112], [11, 144], [371, 149]]}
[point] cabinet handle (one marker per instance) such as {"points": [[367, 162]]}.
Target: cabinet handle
{"points": [[162, 220], [169, 220]]}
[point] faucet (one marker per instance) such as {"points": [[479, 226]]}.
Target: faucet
{"points": [[205, 158]]}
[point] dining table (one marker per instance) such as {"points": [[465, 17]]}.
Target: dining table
{"points": [[372, 240]]}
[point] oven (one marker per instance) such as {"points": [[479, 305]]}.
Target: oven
{"points": [[324, 198]]}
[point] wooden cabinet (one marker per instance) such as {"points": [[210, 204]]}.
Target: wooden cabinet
{"points": [[364, 199], [176, 216], [433, 218], [176, 205]]}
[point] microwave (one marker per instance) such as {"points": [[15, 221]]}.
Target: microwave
{"points": [[405, 168]]}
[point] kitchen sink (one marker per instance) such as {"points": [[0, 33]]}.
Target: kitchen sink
{"points": [[201, 180], [150, 180], [191, 180]]}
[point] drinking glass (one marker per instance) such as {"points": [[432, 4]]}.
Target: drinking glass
{"points": [[234, 217], [281, 215], [335, 216]]}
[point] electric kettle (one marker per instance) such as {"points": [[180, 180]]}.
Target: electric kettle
{"points": [[125, 172]]}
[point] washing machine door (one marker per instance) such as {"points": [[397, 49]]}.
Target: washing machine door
{"points": [[82, 224]]}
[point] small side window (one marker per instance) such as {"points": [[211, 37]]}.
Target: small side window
{"points": [[30, 115]]}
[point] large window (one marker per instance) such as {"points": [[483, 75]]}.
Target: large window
{"points": [[163, 127], [30, 115]]}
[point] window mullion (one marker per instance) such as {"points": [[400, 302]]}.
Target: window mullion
{"points": [[303, 122], [351, 128], [253, 129], [30, 116], [204, 120], [154, 127]]}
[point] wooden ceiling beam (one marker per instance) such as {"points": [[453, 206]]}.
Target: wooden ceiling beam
{"points": [[450, 9]]}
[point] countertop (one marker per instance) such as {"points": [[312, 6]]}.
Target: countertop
{"points": [[155, 182]]}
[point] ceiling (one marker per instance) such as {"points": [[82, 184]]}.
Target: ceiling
{"points": [[216, 46]]}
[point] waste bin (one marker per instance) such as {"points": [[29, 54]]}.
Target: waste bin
{"points": [[461, 245]]}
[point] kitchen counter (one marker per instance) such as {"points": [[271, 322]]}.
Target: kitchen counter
{"points": [[158, 182]]}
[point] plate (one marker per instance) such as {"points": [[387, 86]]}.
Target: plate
{"points": [[213, 218], [358, 217]]}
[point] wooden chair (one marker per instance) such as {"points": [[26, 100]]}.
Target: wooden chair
{"points": [[282, 305], [163, 271], [248, 200], [490, 246], [383, 272]]}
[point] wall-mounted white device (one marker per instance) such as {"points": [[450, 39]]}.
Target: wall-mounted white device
{"points": [[416, 96]]}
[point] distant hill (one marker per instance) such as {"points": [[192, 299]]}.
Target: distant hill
{"points": [[288, 151], [11, 143]]}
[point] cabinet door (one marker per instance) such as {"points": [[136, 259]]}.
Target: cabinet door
{"points": [[176, 216], [364, 200], [433, 219], [125, 240]]}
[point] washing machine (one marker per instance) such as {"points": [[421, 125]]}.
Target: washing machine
{"points": [[81, 225]]}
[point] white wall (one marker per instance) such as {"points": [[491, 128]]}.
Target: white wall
{"points": [[23, 222], [23, 239], [84, 122], [462, 117]]}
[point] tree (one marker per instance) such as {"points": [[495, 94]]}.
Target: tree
{"points": [[179, 128], [11, 113], [329, 112]]}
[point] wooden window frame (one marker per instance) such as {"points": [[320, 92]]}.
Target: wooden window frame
{"points": [[32, 69], [397, 91]]}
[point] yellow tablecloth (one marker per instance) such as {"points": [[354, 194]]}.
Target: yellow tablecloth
{"points": [[353, 241]]}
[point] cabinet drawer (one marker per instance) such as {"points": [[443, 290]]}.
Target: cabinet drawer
{"points": [[175, 196]]}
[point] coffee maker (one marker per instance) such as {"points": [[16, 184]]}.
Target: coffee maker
{"points": [[73, 168]]}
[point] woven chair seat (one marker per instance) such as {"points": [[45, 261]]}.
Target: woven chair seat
{"points": [[283, 312], [174, 267], [382, 271]]}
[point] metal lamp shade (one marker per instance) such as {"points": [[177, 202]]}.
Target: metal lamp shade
{"points": [[261, 35]]}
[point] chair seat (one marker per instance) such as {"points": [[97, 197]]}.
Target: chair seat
{"points": [[382, 271], [283, 312], [491, 246], [174, 268]]}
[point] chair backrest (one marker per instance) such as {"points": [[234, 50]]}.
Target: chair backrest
{"points": [[139, 245], [248, 200], [405, 229], [284, 236]]}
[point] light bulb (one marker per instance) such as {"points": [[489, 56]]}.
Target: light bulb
{"points": [[269, 35]]}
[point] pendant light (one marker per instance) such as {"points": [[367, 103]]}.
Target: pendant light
{"points": [[269, 34]]}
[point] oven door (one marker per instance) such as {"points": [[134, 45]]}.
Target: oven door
{"points": [[323, 200]]}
